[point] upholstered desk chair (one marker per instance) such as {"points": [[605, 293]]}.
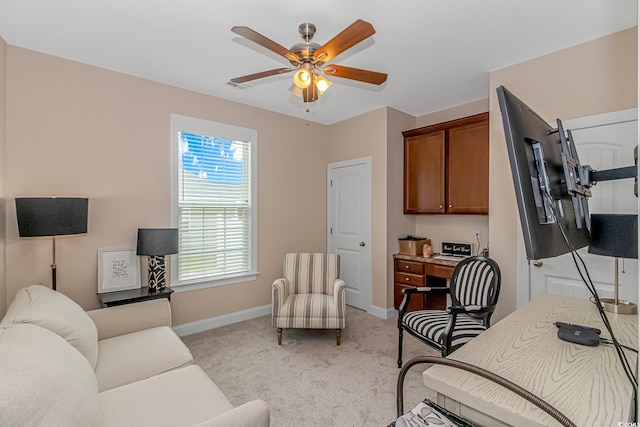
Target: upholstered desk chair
{"points": [[474, 289], [310, 295]]}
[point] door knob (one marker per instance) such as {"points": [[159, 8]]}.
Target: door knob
{"points": [[537, 263], [362, 243]]}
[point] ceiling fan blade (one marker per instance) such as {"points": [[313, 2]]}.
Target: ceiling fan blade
{"points": [[350, 36], [260, 75], [355, 74], [256, 37]]}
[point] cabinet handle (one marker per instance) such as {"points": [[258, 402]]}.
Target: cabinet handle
{"points": [[450, 206], [440, 206]]}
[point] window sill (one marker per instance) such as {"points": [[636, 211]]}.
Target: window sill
{"points": [[195, 285]]}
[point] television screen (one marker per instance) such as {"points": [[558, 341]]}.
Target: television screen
{"points": [[540, 179]]}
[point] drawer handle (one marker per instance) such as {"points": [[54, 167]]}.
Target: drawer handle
{"points": [[406, 266], [406, 278]]}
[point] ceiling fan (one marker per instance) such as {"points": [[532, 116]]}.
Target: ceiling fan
{"points": [[309, 58]]}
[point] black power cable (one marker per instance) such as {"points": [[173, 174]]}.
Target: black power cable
{"points": [[586, 279]]}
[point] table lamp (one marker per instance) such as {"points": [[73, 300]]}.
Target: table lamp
{"points": [[156, 243], [51, 217], [615, 235]]}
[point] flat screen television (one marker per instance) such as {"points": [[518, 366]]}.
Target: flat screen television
{"points": [[546, 176]]}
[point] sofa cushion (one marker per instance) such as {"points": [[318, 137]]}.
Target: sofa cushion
{"points": [[139, 355], [56, 312], [44, 380], [181, 397]]}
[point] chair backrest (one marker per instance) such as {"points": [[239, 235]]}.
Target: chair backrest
{"points": [[475, 281], [311, 273]]}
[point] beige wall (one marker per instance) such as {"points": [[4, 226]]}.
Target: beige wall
{"points": [[592, 78], [361, 136], [77, 130], [453, 228], [3, 228], [398, 224]]}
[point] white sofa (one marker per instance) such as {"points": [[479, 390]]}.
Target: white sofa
{"points": [[117, 366]]}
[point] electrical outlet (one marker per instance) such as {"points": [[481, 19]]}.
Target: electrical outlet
{"points": [[477, 236]]}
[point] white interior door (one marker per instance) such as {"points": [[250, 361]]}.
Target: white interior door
{"points": [[349, 226], [604, 142]]}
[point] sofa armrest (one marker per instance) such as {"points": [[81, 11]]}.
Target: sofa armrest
{"points": [[128, 318], [250, 414]]}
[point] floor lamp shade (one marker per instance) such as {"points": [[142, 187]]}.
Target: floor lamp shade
{"points": [[615, 235], [51, 216], [156, 243]]}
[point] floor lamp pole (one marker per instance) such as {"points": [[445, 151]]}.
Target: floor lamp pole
{"points": [[53, 266]]}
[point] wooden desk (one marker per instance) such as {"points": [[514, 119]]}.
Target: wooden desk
{"points": [[587, 384], [414, 271]]}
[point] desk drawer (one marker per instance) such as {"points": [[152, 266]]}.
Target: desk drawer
{"points": [[438, 270], [409, 279], [409, 267]]}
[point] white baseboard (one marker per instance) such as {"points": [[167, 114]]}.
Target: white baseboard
{"points": [[383, 313], [218, 321]]}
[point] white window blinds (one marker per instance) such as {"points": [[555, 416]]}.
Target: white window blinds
{"points": [[214, 206]]}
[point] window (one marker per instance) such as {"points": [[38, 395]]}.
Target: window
{"points": [[214, 202]]}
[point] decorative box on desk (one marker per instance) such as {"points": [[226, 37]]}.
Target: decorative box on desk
{"points": [[416, 271], [110, 299]]}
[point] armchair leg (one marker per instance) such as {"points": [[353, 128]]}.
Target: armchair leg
{"points": [[279, 330], [338, 334]]}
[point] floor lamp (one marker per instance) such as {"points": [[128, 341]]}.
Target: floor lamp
{"points": [[615, 235], [51, 217], [155, 243]]}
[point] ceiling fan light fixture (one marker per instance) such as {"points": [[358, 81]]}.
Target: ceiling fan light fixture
{"points": [[302, 78], [296, 91], [322, 84]]}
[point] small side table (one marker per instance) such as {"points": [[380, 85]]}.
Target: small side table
{"points": [[110, 299]]}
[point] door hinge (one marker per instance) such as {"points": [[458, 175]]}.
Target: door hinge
{"points": [[330, 230], [330, 183]]}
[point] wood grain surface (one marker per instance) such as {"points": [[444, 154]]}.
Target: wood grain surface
{"points": [[587, 384]]}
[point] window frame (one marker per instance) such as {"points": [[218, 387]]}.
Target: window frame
{"points": [[220, 130]]}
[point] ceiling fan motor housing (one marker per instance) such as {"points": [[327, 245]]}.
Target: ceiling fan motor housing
{"points": [[306, 50]]}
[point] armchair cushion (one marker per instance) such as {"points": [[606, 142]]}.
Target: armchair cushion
{"points": [[58, 313], [430, 325], [316, 311]]}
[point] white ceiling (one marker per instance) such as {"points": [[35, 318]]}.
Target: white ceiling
{"points": [[437, 53]]}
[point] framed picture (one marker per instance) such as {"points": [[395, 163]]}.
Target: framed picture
{"points": [[118, 269]]}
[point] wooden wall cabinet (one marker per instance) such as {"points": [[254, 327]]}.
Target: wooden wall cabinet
{"points": [[446, 167]]}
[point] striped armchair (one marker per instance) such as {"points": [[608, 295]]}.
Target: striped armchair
{"points": [[474, 289], [310, 295]]}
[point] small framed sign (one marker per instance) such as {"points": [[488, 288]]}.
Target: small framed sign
{"points": [[118, 269], [457, 249]]}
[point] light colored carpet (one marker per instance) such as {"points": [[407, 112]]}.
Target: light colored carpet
{"points": [[309, 381]]}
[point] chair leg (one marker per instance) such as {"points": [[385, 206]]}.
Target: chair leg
{"points": [[279, 336], [338, 335], [399, 347]]}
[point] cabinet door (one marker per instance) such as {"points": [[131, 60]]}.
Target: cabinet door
{"points": [[424, 173], [468, 169]]}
